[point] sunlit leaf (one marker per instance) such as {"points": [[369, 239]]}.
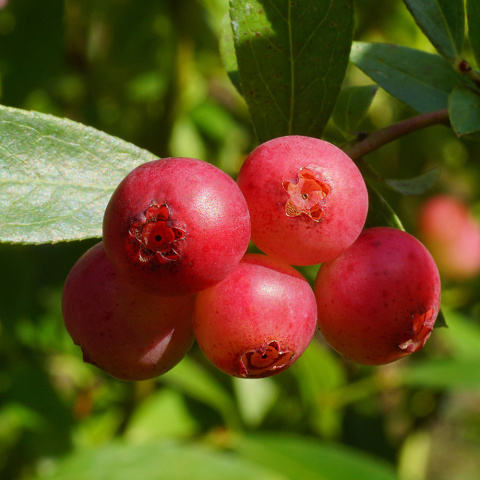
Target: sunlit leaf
{"points": [[352, 106], [421, 80], [304, 459], [443, 22], [448, 373], [227, 52], [195, 382], [414, 186], [464, 111], [56, 176], [157, 461], [473, 18], [292, 57]]}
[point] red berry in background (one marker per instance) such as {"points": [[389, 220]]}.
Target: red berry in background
{"points": [[258, 321], [378, 301], [452, 236], [176, 226], [307, 199], [130, 334]]}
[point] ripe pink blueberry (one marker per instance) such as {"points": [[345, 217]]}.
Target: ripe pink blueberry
{"points": [[128, 333], [257, 321], [176, 226], [307, 199], [452, 236], [378, 301]]}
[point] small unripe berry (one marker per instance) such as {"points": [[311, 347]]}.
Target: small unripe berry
{"points": [[378, 301], [258, 321], [128, 333], [176, 226], [307, 199]]}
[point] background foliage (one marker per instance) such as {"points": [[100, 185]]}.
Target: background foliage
{"points": [[154, 78]]}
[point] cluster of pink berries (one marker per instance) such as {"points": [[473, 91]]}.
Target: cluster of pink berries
{"points": [[173, 267]]}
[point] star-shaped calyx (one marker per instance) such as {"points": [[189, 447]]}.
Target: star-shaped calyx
{"points": [[156, 238], [306, 195]]}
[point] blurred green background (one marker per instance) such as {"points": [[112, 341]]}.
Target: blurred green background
{"points": [[150, 73]]}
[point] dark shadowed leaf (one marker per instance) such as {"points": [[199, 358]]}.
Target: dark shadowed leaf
{"points": [[292, 57], [352, 106], [419, 79], [473, 18], [380, 213], [464, 111], [443, 22], [56, 176], [414, 186]]}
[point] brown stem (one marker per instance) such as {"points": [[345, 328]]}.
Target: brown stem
{"points": [[386, 135]]}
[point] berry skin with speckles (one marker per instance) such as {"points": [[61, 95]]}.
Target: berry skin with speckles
{"points": [[176, 226], [378, 301], [130, 334], [308, 201], [258, 321]]}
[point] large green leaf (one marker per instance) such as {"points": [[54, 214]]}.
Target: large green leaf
{"points": [[157, 461], [419, 79], [443, 22], [473, 18], [303, 459], [464, 110], [292, 57], [56, 176]]}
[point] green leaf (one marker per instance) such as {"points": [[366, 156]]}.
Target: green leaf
{"points": [[462, 337], [157, 461], [443, 374], [464, 111], [421, 80], [380, 213], [300, 458], [56, 176], [197, 383], [414, 186], [292, 58], [443, 22], [352, 106], [162, 414], [227, 53], [255, 398], [473, 18]]}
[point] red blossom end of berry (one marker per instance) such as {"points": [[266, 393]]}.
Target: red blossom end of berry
{"points": [[422, 328], [261, 362], [155, 236]]}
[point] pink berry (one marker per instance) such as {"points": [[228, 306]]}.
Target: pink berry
{"points": [[176, 226], [452, 236], [258, 321], [128, 333], [378, 301], [307, 199]]}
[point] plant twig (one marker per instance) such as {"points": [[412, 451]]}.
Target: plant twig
{"points": [[386, 135]]}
